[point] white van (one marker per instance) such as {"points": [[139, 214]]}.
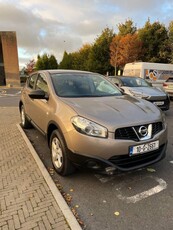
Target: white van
{"points": [[155, 73]]}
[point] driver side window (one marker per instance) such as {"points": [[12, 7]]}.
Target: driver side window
{"points": [[31, 81], [42, 83]]}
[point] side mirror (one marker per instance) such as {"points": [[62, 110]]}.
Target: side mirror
{"points": [[38, 94]]}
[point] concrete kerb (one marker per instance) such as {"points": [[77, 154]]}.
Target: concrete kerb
{"points": [[71, 220]]}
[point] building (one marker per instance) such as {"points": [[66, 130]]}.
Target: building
{"points": [[9, 64]]}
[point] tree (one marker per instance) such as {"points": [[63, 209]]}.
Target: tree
{"points": [[170, 40], [126, 28], [153, 36], [130, 49], [115, 52], [80, 58], [99, 56], [30, 66], [52, 62], [67, 61], [46, 62], [125, 49], [39, 63]]}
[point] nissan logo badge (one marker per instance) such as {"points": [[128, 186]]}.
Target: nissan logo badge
{"points": [[143, 131]]}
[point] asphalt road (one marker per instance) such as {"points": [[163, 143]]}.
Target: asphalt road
{"points": [[140, 199], [9, 97]]}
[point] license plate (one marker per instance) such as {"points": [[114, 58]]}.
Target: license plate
{"points": [[159, 102], [139, 149]]}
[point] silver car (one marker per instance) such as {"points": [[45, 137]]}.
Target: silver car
{"points": [[88, 122], [168, 86], [140, 88]]}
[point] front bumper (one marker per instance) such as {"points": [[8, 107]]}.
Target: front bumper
{"points": [[104, 153], [105, 148], [123, 163]]}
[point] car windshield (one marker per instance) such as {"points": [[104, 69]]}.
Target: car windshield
{"points": [[134, 82], [83, 85]]}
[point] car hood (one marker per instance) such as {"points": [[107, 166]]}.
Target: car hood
{"points": [[116, 111], [150, 91]]}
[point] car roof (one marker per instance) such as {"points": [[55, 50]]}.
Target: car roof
{"points": [[64, 71]]}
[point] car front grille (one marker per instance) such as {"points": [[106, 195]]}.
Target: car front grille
{"points": [[126, 161], [157, 127], [166, 101], [130, 133]]}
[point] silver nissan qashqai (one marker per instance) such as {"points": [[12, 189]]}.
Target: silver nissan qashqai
{"points": [[88, 122]]}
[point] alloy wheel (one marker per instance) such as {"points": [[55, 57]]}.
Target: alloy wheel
{"points": [[57, 155]]}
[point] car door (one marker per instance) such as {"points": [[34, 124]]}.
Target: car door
{"points": [[40, 107], [28, 102]]}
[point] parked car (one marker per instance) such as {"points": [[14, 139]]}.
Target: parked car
{"points": [[140, 88], [88, 122], [168, 86]]}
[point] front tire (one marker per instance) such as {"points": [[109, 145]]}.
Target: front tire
{"points": [[59, 152], [24, 120]]}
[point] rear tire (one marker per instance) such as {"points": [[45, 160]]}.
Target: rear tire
{"points": [[59, 152], [24, 120]]}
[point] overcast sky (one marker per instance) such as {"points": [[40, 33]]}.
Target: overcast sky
{"points": [[56, 25]]}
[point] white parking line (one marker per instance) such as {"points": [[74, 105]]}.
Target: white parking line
{"points": [[143, 195], [171, 162]]}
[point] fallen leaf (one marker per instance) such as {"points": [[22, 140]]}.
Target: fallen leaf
{"points": [[59, 186], [67, 197], [51, 171], [77, 217], [81, 222], [116, 213]]}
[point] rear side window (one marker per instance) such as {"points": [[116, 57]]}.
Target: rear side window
{"points": [[31, 81]]}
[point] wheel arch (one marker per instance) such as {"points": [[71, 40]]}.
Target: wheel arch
{"points": [[51, 127]]}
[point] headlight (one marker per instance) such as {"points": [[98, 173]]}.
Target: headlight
{"points": [[88, 127], [138, 94]]}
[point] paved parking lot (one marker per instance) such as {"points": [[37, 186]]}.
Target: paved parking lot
{"points": [[135, 200], [27, 199]]}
